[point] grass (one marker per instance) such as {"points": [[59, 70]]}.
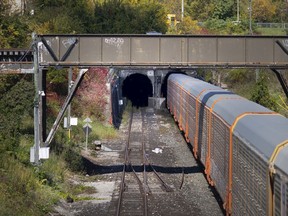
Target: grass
{"points": [[126, 113], [84, 198], [21, 191], [76, 189], [99, 131], [272, 31]]}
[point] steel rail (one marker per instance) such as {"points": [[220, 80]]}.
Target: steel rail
{"points": [[126, 165], [122, 185], [166, 187], [145, 182]]}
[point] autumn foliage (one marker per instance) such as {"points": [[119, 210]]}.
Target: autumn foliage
{"points": [[93, 93]]}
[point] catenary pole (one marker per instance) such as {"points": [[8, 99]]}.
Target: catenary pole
{"points": [[238, 11], [250, 17], [182, 10], [36, 100]]}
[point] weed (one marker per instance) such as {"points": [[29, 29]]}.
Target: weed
{"points": [[77, 189], [21, 191]]}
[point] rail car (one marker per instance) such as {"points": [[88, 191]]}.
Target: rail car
{"points": [[242, 145]]}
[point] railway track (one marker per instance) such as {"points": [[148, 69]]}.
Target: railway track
{"points": [[134, 189]]}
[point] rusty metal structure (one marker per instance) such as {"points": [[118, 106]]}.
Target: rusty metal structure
{"points": [[163, 51]]}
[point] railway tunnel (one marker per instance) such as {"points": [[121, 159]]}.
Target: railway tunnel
{"points": [[144, 88], [137, 88], [165, 81]]}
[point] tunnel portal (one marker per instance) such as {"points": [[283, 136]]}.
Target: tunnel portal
{"points": [[165, 82], [137, 88]]}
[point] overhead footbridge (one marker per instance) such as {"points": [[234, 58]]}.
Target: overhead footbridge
{"points": [[153, 51], [174, 51]]}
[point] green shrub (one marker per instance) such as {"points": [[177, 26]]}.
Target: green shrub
{"points": [[262, 96], [74, 160], [52, 171], [21, 192]]}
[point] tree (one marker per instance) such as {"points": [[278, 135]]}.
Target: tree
{"points": [[13, 32], [93, 88], [200, 9], [263, 10], [281, 14], [123, 18], [112, 17], [15, 106], [238, 76], [189, 26], [5, 8], [262, 96], [172, 7], [63, 16], [151, 17], [224, 9]]}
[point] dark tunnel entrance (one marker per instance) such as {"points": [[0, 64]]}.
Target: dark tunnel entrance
{"points": [[137, 88], [165, 82]]}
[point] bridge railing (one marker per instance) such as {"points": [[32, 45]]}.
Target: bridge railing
{"points": [[16, 61]]}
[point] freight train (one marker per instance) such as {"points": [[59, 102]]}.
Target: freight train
{"points": [[242, 145]]}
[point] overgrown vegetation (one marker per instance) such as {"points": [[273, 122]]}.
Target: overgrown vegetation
{"points": [[32, 190], [261, 94], [260, 86]]}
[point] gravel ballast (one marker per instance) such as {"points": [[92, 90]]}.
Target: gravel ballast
{"points": [[170, 155]]}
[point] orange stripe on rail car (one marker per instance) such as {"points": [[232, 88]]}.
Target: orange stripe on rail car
{"points": [[209, 129], [228, 201], [195, 148], [180, 108], [187, 115], [187, 121], [271, 172], [183, 108]]}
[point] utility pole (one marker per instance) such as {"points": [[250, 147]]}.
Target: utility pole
{"points": [[250, 17], [37, 136], [182, 10], [238, 11]]}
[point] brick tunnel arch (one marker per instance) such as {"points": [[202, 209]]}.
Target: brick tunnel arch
{"points": [[137, 88]]}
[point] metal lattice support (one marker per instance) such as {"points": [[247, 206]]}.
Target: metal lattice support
{"points": [[64, 107]]}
